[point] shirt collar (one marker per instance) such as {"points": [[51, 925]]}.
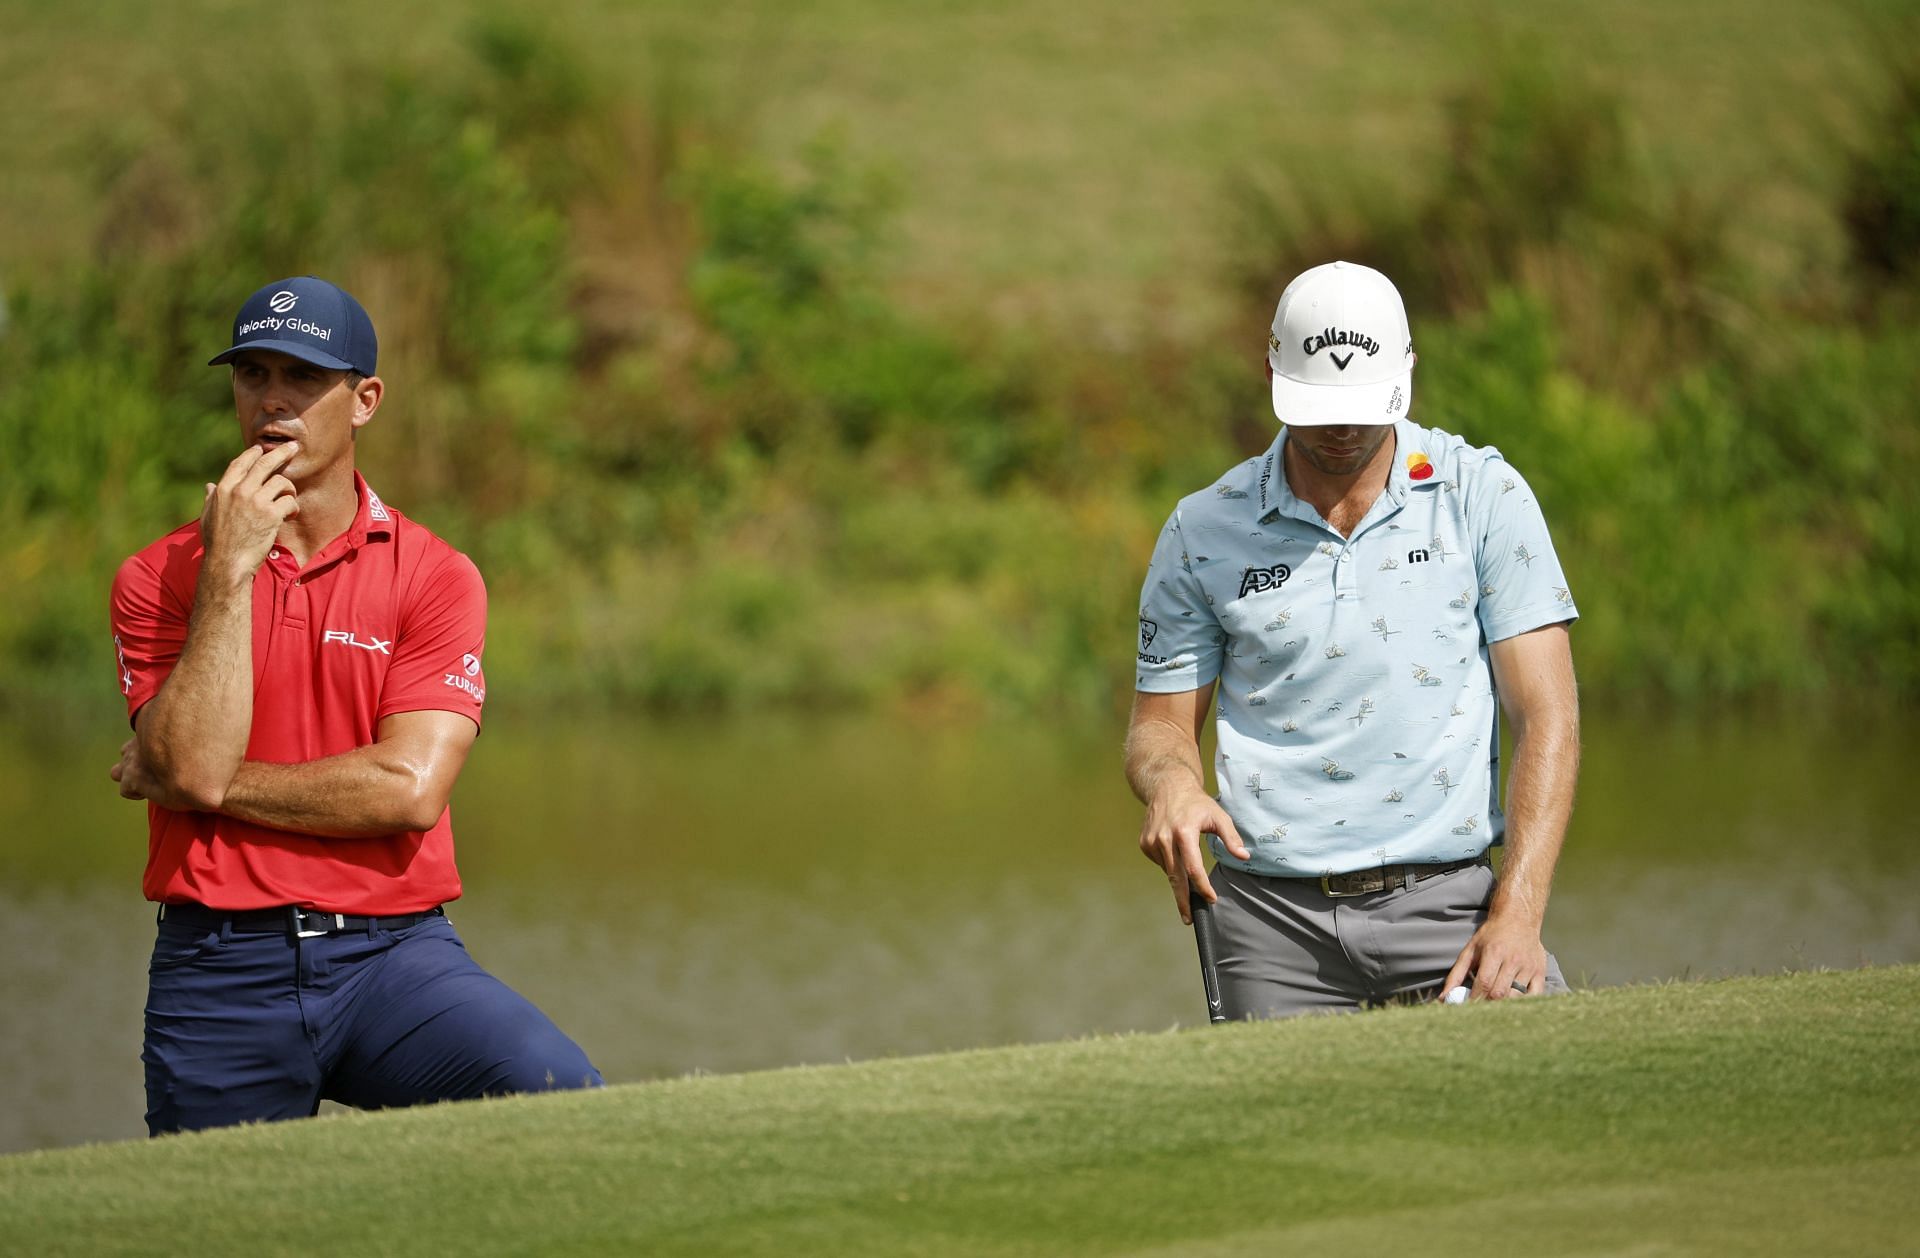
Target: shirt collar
{"points": [[372, 519], [1277, 497], [1410, 454]]}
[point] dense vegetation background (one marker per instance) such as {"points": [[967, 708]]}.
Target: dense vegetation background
{"points": [[743, 387]]}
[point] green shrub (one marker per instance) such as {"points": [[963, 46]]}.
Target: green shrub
{"points": [[1881, 210], [666, 394]]}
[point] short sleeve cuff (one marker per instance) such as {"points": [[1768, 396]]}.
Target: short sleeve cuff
{"points": [[1156, 680], [1526, 620]]}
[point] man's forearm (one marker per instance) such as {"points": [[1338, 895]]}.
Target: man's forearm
{"points": [[1546, 766], [367, 792], [1161, 755], [193, 734]]}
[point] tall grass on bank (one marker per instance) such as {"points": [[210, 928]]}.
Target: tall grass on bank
{"points": [[1719, 463], [660, 391]]}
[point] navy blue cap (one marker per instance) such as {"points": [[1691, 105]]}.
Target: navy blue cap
{"points": [[309, 318]]}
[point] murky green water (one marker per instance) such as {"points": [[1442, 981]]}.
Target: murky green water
{"points": [[698, 897]]}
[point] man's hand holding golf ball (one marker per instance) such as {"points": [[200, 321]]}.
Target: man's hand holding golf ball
{"points": [[1504, 958]]}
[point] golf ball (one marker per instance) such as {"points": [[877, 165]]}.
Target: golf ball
{"points": [[1458, 996]]}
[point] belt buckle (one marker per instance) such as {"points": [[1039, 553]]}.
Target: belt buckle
{"points": [[1376, 880], [296, 916]]}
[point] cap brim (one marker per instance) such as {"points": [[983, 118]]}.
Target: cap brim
{"points": [[305, 353], [1302, 405]]}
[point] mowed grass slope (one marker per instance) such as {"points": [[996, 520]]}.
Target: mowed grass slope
{"points": [[1772, 1115]]}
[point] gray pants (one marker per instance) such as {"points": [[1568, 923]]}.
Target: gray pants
{"points": [[1286, 948]]}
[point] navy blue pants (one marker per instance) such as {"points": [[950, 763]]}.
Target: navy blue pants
{"points": [[247, 1027]]}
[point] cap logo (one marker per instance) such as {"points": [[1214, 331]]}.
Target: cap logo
{"points": [[1330, 353], [282, 301], [292, 325], [1329, 338]]}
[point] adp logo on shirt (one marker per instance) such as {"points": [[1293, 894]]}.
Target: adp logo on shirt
{"points": [[1260, 580]]}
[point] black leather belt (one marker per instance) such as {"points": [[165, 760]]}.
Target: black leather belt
{"points": [[289, 920], [1386, 877]]}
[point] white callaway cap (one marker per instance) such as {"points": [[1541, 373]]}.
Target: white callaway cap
{"points": [[1340, 349]]}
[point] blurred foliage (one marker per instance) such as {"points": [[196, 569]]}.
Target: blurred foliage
{"points": [[661, 391], [1882, 205]]}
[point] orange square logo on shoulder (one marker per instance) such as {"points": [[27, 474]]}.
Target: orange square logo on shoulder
{"points": [[1419, 466]]}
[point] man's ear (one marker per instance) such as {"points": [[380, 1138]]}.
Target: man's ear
{"points": [[366, 399]]}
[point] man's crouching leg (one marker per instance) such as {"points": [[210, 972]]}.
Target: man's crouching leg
{"points": [[431, 1025]]}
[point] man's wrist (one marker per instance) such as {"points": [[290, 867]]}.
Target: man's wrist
{"points": [[1510, 912], [1176, 784], [220, 583], [164, 789]]}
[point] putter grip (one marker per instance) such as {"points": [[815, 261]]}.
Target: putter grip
{"points": [[1209, 954]]}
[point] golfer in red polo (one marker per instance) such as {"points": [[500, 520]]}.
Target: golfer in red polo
{"points": [[302, 666]]}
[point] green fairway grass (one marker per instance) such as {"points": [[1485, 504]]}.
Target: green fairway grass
{"points": [[1774, 1115]]}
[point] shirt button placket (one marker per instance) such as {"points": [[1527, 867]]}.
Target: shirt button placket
{"points": [[1343, 587]]}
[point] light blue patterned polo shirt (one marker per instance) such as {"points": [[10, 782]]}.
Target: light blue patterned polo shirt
{"points": [[1356, 717]]}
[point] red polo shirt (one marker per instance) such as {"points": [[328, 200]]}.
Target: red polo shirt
{"points": [[386, 618]]}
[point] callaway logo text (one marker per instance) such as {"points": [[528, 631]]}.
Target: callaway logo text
{"points": [[1329, 338]]}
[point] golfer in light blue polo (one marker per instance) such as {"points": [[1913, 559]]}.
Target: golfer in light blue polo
{"points": [[1356, 609]]}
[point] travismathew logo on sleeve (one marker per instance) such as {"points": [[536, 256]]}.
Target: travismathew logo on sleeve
{"points": [[1260, 580]]}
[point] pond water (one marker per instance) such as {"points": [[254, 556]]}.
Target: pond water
{"points": [[697, 896]]}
